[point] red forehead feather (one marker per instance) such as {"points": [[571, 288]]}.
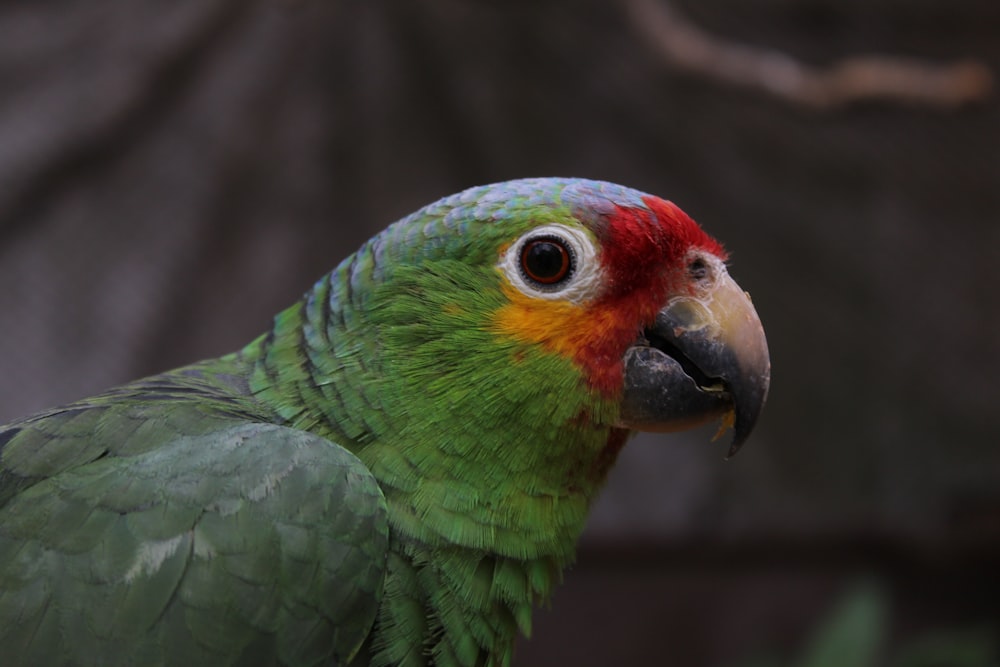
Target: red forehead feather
{"points": [[643, 252], [640, 240]]}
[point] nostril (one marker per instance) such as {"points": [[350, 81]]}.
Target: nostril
{"points": [[698, 269]]}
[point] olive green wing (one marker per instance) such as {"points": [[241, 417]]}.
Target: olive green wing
{"points": [[233, 542]]}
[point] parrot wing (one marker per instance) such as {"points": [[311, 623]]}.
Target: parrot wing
{"points": [[228, 541]]}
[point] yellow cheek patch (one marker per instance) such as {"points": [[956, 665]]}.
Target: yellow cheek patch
{"points": [[550, 323], [562, 327]]}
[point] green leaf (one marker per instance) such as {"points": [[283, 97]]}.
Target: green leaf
{"points": [[853, 633]]}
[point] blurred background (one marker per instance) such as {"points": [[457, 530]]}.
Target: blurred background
{"points": [[174, 173]]}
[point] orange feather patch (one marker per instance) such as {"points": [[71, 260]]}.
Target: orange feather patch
{"points": [[591, 337]]}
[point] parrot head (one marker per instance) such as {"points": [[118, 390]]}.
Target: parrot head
{"points": [[620, 287]]}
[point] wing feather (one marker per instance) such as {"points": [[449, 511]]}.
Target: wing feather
{"points": [[228, 541]]}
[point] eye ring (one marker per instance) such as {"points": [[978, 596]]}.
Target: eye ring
{"points": [[575, 277], [547, 260]]}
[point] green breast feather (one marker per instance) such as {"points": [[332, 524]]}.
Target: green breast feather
{"points": [[395, 474]]}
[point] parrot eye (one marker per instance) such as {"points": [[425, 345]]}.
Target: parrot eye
{"points": [[553, 261], [546, 260]]}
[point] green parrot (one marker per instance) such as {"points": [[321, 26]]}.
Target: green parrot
{"points": [[396, 472]]}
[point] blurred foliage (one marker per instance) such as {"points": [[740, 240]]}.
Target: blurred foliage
{"points": [[856, 632]]}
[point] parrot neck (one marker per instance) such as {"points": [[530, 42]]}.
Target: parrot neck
{"points": [[470, 449], [487, 479]]}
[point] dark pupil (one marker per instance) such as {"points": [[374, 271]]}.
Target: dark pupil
{"points": [[545, 261]]}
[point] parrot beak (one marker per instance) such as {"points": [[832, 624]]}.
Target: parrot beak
{"points": [[704, 357]]}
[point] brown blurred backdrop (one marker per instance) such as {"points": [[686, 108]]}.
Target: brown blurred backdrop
{"points": [[174, 173]]}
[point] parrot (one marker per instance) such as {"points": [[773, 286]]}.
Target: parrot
{"points": [[398, 470]]}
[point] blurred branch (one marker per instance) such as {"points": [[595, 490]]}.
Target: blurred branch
{"points": [[876, 77], [85, 135]]}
